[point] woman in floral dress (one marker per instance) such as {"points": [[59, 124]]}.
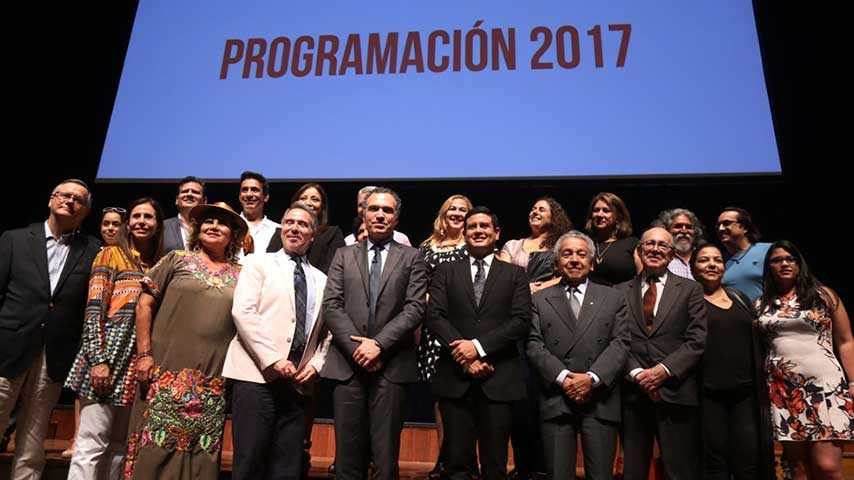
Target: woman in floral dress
{"points": [[810, 389], [177, 429]]}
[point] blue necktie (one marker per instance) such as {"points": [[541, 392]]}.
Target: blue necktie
{"points": [[300, 300], [374, 284]]}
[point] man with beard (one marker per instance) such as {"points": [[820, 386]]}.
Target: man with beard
{"points": [[745, 255], [687, 233]]}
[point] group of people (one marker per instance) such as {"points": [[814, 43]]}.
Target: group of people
{"points": [[711, 350]]}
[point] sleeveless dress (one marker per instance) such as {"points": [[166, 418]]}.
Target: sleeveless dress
{"points": [[808, 390]]}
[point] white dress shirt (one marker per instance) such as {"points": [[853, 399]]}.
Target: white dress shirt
{"points": [[185, 232], [311, 302], [487, 262], [261, 233], [57, 254], [659, 290], [371, 253], [396, 236]]}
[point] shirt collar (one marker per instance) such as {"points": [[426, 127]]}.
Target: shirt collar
{"points": [[582, 287], [662, 279], [487, 260], [385, 244], [65, 238]]}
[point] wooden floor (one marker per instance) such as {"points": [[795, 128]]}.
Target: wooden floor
{"points": [[419, 448]]}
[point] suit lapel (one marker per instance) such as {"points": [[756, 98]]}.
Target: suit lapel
{"points": [[38, 245], [464, 272], [287, 279], [557, 299], [494, 271], [668, 298], [360, 258], [391, 261], [587, 312], [634, 294], [75, 251]]}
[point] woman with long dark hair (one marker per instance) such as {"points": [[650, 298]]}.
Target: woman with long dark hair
{"points": [[736, 425], [810, 364], [610, 226], [103, 372]]}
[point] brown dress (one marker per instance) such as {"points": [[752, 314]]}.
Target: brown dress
{"points": [[176, 427]]}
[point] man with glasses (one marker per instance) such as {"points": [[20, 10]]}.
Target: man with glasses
{"points": [[44, 274], [745, 257], [667, 321], [176, 230]]}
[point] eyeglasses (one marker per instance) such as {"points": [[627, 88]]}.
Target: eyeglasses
{"points": [[651, 245], [792, 260], [119, 210], [66, 196], [726, 223]]}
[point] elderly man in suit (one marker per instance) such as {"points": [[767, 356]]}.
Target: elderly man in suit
{"points": [[479, 307], [176, 230], [374, 301], [44, 274], [280, 347], [667, 321], [578, 344]]}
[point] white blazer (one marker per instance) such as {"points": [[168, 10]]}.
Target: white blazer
{"points": [[265, 318]]}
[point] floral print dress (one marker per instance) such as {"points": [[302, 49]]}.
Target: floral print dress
{"points": [[177, 423], [809, 393]]}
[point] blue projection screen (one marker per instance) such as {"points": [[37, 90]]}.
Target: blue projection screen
{"points": [[440, 89]]}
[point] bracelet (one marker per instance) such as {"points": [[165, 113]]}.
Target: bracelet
{"points": [[144, 354]]}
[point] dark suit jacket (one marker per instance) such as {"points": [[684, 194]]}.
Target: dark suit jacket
{"points": [[172, 235], [399, 310], [503, 317], [30, 317], [598, 341], [322, 250], [677, 339]]}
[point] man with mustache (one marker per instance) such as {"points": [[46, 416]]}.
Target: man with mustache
{"points": [[667, 321], [479, 307], [687, 233], [577, 345], [254, 195], [176, 230], [373, 302]]}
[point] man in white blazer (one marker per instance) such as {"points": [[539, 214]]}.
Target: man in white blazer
{"points": [[280, 347]]}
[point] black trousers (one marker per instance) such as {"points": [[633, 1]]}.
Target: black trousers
{"points": [[369, 413], [268, 425], [598, 442], [525, 434], [677, 429], [731, 434], [473, 420]]}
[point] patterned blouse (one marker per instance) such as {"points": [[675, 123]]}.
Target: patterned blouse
{"points": [[109, 330]]}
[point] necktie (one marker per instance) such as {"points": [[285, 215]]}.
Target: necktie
{"points": [[574, 304], [374, 284], [649, 302], [479, 279], [300, 300]]}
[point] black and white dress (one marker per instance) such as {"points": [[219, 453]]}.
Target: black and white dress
{"points": [[429, 346]]}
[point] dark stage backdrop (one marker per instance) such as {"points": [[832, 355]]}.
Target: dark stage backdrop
{"points": [[62, 65]]}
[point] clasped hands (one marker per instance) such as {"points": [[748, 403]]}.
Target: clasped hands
{"points": [[287, 370], [650, 379], [465, 354], [367, 354], [577, 387]]}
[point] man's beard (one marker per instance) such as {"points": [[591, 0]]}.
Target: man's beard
{"points": [[684, 244]]}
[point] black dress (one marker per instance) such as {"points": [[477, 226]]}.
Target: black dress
{"points": [[614, 261]]}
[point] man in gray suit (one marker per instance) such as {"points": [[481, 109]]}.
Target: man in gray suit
{"points": [[667, 321], [176, 230], [578, 344], [373, 302]]}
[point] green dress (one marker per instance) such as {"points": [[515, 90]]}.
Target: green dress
{"points": [[177, 424]]}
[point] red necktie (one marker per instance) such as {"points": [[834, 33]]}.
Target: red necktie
{"points": [[649, 303]]}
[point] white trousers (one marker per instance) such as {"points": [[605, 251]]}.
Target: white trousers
{"points": [[101, 444], [38, 394]]}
